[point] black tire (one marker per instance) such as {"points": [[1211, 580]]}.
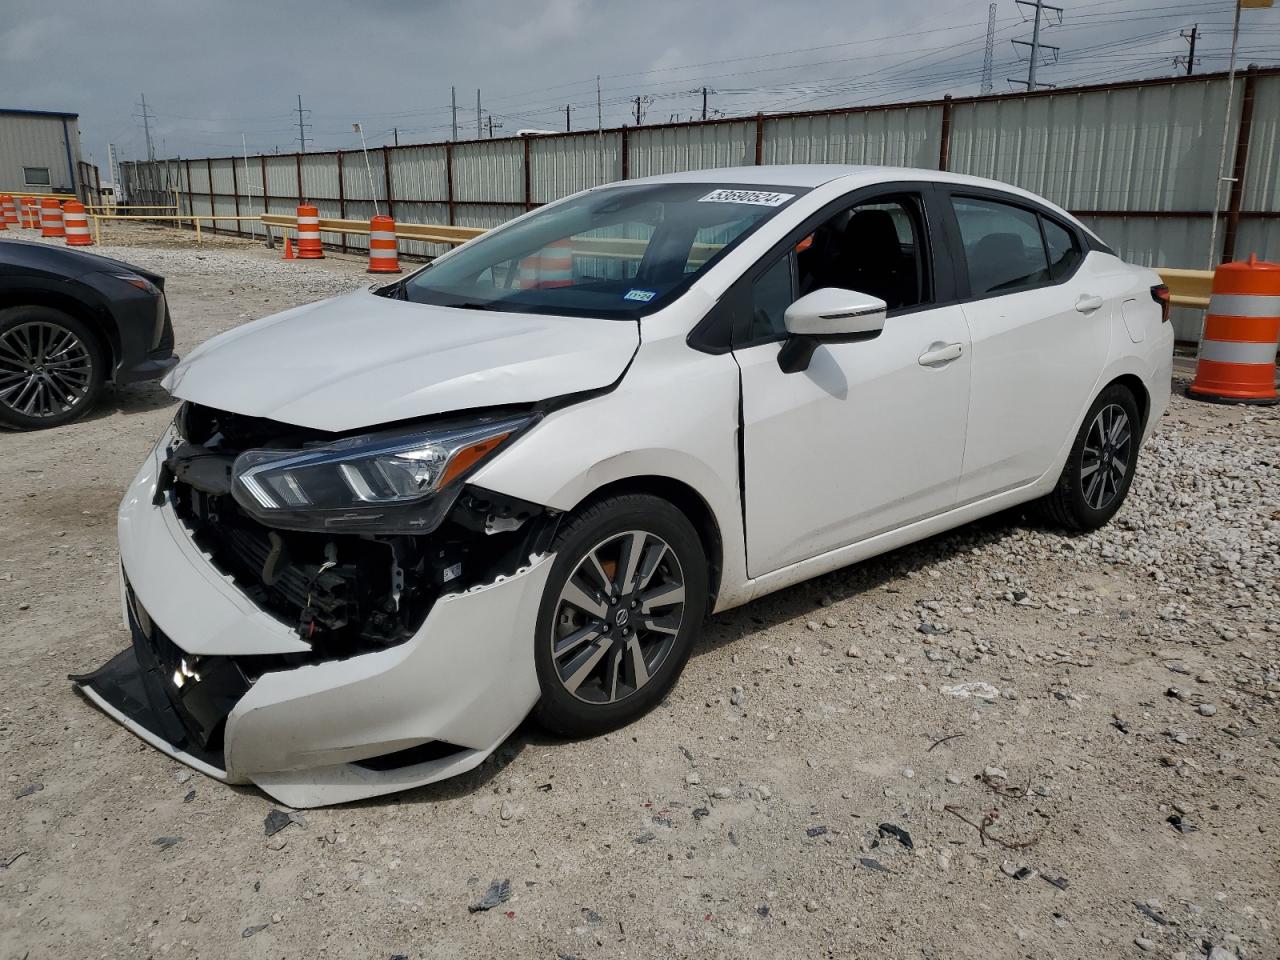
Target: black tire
{"points": [[1086, 498], [594, 530], [47, 402]]}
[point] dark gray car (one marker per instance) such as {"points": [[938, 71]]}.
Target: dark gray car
{"points": [[69, 322]]}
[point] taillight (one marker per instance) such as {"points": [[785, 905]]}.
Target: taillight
{"points": [[1160, 294]]}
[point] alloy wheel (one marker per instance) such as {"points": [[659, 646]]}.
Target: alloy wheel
{"points": [[1104, 462], [617, 617], [45, 369]]}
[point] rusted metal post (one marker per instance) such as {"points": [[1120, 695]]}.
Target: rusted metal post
{"points": [[625, 148], [759, 139], [528, 177], [208, 166], [342, 199], [944, 147], [1236, 199], [297, 159], [235, 192], [386, 178], [262, 162], [191, 199], [448, 180]]}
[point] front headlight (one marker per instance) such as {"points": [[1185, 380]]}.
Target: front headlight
{"points": [[378, 483]]}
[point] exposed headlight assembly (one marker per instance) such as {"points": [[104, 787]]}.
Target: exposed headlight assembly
{"points": [[377, 483]]}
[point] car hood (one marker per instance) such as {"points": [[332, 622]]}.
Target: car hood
{"points": [[361, 360]]}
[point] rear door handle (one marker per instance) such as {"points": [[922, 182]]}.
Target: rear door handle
{"points": [[941, 355], [1087, 303]]}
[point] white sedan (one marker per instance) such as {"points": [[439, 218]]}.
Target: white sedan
{"points": [[385, 527]]}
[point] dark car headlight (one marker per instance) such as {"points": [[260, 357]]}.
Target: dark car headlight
{"points": [[377, 483]]}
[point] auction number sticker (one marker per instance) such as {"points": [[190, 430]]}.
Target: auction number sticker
{"points": [[760, 198], [643, 296]]}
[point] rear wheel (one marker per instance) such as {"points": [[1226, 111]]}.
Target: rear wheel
{"points": [[51, 367], [1101, 464], [623, 606]]}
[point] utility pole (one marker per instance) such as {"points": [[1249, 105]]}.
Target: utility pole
{"points": [[1034, 43], [478, 134], [453, 101], [704, 103], [637, 111], [991, 44], [567, 125], [600, 128], [146, 128], [492, 125], [302, 127], [1190, 59], [395, 135]]}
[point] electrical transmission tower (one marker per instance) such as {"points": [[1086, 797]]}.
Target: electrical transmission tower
{"points": [[147, 117], [302, 127], [1189, 61], [1033, 60], [991, 44]]}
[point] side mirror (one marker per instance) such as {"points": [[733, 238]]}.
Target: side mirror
{"points": [[829, 315]]}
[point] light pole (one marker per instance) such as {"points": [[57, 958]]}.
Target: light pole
{"points": [[373, 194]]}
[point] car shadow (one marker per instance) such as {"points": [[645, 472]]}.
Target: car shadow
{"points": [[131, 399], [798, 603]]}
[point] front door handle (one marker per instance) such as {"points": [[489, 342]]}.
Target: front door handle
{"points": [[941, 355], [1087, 303]]}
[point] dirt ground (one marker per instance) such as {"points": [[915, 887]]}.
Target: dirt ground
{"points": [[1115, 796]]}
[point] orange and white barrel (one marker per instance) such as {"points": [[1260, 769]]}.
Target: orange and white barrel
{"points": [[309, 246], [76, 223], [51, 218], [30, 213], [383, 256], [8, 210], [552, 266], [1237, 361]]}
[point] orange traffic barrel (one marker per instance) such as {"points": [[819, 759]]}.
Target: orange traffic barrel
{"points": [[1237, 362], [552, 266], [51, 218], [30, 213], [383, 257], [309, 246], [76, 223], [8, 210]]}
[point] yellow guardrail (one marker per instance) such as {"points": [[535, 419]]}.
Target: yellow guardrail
{"points": [[195, 219], [427, 232], [1187, 288], [41, 196]]}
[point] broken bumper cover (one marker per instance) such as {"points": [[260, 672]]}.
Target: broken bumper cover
{"points": [[320, 733]]}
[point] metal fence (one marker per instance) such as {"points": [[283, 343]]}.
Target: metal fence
{"points": [[1137, 161]]}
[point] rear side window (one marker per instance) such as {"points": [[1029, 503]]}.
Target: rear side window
{"points": [[1002, 246], [1064, 252]]}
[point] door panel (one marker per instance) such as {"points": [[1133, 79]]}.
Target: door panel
{"points": [[870, 437]]}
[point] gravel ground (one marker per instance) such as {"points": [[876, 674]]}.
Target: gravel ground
{"points": [[816, 786]]}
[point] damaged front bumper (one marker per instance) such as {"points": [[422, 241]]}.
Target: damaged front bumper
{"points": [[225, 687]]}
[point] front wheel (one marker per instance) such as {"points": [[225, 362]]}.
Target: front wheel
{"points": [[622, 608], [51, 368], [1101, 464]]}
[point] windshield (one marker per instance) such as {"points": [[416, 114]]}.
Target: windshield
{"points": [[617, 253]]}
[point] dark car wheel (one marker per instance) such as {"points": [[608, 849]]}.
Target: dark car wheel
{"points": [[51, 367], [1101, 463], [623, 605]]}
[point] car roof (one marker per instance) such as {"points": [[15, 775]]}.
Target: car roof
{"points": [[851, 176]]}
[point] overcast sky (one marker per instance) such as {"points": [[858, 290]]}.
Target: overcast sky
{"points": [[213, 71]]}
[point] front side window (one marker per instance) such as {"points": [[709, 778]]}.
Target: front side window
{"points": [[617, 253], [876, 248], [1002, 246], [36, 176]]}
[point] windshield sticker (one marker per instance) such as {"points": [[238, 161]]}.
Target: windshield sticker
{"points": [[644, 296], [759, 198]]}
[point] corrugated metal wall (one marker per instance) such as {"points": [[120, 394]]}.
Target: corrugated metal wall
{"points": [[1137, 161]]}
